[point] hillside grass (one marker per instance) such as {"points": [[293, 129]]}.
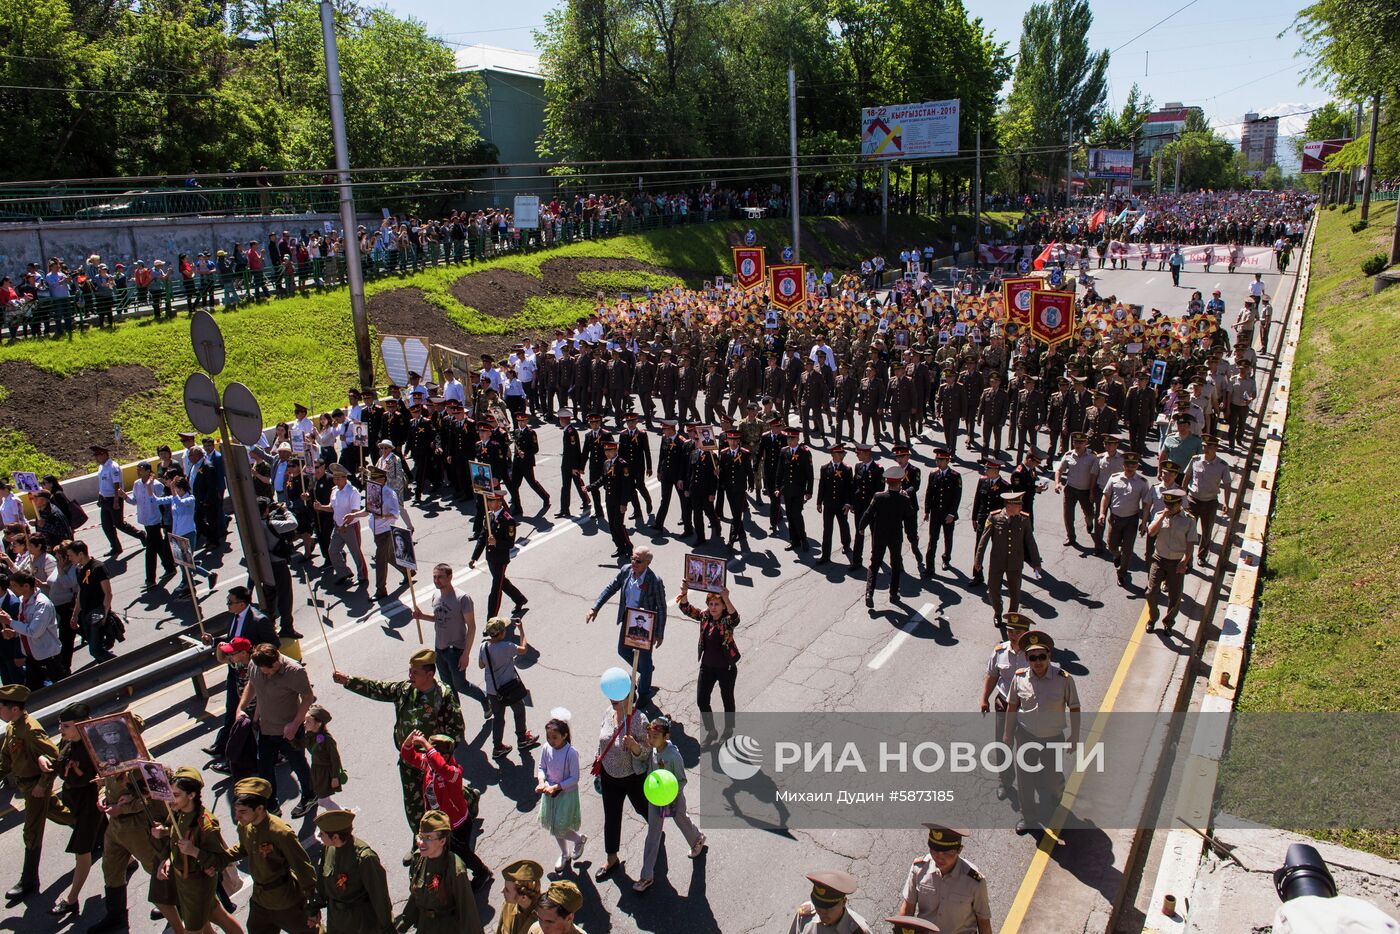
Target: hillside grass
{"points": [[1328, 617], [301, 349]]}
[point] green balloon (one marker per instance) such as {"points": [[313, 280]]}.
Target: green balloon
{"points": [[661, 787]]}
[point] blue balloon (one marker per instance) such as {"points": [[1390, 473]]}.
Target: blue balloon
{"points": [[616, 683]]}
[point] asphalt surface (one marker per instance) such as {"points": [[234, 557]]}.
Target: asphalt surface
{"points": [[808, 644]]}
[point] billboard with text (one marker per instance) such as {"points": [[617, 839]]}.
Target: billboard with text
{"points": [[910, 131]]}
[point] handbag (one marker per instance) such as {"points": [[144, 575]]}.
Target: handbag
{"points": [[597, 768], [77, 515], [514, 691]]}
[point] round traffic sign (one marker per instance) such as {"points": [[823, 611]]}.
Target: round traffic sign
{"points": [[202, 403], [243, 413], [208, 343]]}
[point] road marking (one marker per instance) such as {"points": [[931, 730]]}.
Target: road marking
{"points": [[900, 637], [1149, 280], [1021, 904]]}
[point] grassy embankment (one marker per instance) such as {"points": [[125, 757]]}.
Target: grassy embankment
{"points": [[1329, 620], [293, 349]]}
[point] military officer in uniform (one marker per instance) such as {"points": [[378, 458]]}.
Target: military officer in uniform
{"points": [[634, 446], [913, 480], [617, 480], [571, 463], [501, 529], [1173, 532], [890, 516], [1041, 695], [945, 889], [1075, 476], [671, 461], [1007, 659], [520, 892], [440, 899], [284, 881], [986, 499], [1011, 535], [941, 501], [735, 475], [522, 465], [1121, 510], [701, 481], [908, 924], [558, 906], [25, 746], [835, 489], [766, 480], [825, 912], [420, 703], [594, 454], [350, 881], [795, 481], [868, 477]]}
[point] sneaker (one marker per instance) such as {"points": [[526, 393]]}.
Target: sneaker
{"points": [[501, 751], [578, 847], [698, 848], [304, 807], [528, 741]]}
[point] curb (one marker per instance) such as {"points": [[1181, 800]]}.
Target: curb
{"points": [[1183, 849]]}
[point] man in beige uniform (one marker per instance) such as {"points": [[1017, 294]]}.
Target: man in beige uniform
{"points": [[1041, 695], [1011, 535], [945, 888], [1121, 511], [1007, 659], [826, 911], [1076, 476], [1174, 532], [1207, 485]]}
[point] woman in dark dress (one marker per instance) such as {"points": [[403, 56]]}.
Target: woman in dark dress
{"points": [[79, 792]]}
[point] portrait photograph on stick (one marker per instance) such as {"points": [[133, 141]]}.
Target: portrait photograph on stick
{"points": [[113, 742]]}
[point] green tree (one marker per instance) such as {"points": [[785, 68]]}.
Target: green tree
{"points": [[1058, 83], [1208, 160]]}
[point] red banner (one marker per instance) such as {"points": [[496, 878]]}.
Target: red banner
{"points": [[1016, 293], [787, 285], [1052, 316], [1045, 255], [1096, 221], [748, 266]]}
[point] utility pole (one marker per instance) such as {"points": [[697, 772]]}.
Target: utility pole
{"points": [[354, 274], [977, 208], [792, 146], [1176, 186], [1069, 165], [1370, 156], [1157, 175], [1354, 175]]}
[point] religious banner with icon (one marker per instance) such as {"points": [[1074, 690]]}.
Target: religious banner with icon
{"points": [[1017, 295], [787, 285], [748, 266], [1052, 316]]}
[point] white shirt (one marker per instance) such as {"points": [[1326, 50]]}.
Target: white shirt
{"points": [[378, 525], [147, 510], [109, 478], [419, 390], [493, 377], [344, 501], [304, 426], [525, 367], [826, 358], [453, 389], [12, 510], [1256, 288]]}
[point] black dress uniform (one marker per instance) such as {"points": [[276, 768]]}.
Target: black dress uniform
{"points": [[768, 447], [890, 516], [987, 498], [735, 475], [423, 447], [522, 466], [671, 460], [617, 480], [868, 479], [497, 543], [835, 493], [795, 482], [634, 446], [913, 480], [593, 440], [701, 481], [1023, 479], [941, 500], [571, 463]]}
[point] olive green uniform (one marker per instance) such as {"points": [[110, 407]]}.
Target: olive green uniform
{"points": [[515, 920], [352, 887], [440, 899], [430, 712], [284, 881], [25, 742], [196, 878], [129, 835]]}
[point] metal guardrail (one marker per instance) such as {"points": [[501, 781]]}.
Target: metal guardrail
{"points": [[62, 203]]}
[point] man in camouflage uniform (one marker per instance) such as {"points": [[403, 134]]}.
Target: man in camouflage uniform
{"points": [[350, 881], [420, 703]]}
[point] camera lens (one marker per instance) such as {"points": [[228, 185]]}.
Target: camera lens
{"points": [[1304, 872]]}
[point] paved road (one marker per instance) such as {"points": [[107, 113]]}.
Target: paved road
{"points": [[808, 644]]}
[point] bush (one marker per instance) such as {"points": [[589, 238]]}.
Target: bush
{"points": [[1375, 264], [1332, 207], [1350, 206], [1360, 226]]}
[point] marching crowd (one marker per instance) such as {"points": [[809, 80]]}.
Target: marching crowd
{"points": [[917, 369], [1200, 217]]}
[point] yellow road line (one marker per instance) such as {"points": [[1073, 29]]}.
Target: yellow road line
{"points": [[1022, 903]]}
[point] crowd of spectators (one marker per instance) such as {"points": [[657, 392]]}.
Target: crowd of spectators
{"points": [[1188, 218]]}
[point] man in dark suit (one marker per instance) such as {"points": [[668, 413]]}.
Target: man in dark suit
{"points": [[207, 485], [247, 624], [835, 492], [637, 587], [795, 482]]}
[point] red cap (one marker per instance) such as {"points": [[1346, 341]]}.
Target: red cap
{"points": [[234, 646]]}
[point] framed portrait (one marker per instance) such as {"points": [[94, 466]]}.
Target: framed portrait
{"points": [[707, 437], [901, 338], [359, 434], [705, 573], [157, 781], [26, 481], [403, 549], [374, 498], [298, 442], [113, 742], [181, 551], [641, 629], [481, 477]]}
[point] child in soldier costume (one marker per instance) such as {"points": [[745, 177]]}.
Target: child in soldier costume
{"points": [[321, 748], [79, 775], [193, 855], [440, 899], [350, 881], [284, 881]]}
